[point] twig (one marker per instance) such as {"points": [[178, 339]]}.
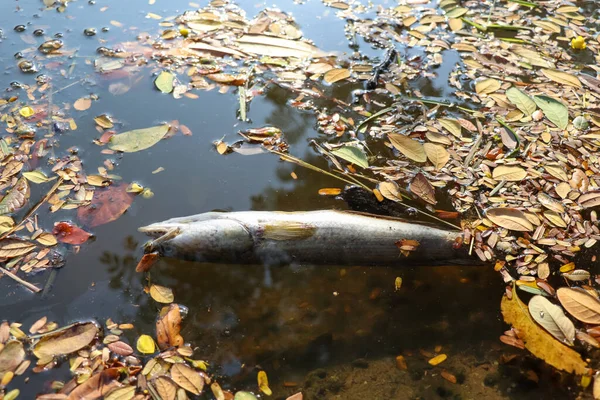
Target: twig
{"points": [[28, 285], [33, 209]]}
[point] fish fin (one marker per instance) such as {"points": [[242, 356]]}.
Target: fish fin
{"points": [[286, 230]]}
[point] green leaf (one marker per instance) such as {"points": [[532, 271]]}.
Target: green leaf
{"points": [[37, 176], [353, 155], [554, 110], [521, 100], [457, 12], [138, 139], [164, 82]]}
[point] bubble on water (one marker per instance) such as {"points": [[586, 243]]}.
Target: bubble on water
{"points": [[50, 46], [27, 66], [20, 28], [89, 31]]}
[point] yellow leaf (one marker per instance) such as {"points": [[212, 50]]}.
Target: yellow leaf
{"points": [[562, 77], [26, 112], [509, 218], [47, 239], [487, 86], [336, 74], [161, 294], [410, 148], [82, 104], [263, 383], [438, 359], [540, 343], [511, 173], [145, 344], [436, 154]]}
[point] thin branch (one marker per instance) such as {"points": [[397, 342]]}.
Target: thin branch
{"points": [[28, 285]]}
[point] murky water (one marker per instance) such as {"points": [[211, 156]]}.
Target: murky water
{"points": [[345, 325]]}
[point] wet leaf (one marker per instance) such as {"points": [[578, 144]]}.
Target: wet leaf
{"points": [[580, 305], [147, 261], [554, 110], [329, 191], [263, 383], [168, 326], [46, 239], [10, 248], [120, 348], [138, 139], [277, 47], [66, 232], [16, 198], [11, 355], [562, 77], [66, 341], [36, 176], [509, 218], [161, 294], [410, 148], [336, 74], [26, 112], [187, 378], [422, 188], [437, 154], [97, 385], [107, 205], [452, 126], [104, 121], [510, 173], [82, 104], [165, 388], [126, 393], [438, 359], [487, 86], [552, 318], [540, 343], [521, 100], [352, 154], [145, 344], [390, 190]]}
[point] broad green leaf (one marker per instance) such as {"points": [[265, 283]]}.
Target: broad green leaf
{"points": [[36, 176], [521, 100], [554, 110], [164, 81], [138, 139], [457, 12], [353, 155]]}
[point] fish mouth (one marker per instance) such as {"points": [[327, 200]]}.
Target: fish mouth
{"points": [[160, 233]]}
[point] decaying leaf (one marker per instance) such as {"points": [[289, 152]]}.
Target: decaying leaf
{"points": [[552, 318], [66, 232], [509, 218], [410, 148], [66, 340], [11, 355], [580, 305], [16, 198], [422, 188], [540, 343], [138, 139], [168, 326], [187, 378], [97, 385], [107, 205]]}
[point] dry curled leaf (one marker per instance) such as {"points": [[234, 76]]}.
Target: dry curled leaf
{"points": [[422, 188], [168, 326]]}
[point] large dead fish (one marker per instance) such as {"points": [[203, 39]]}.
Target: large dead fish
{"points": [[312, 237]]}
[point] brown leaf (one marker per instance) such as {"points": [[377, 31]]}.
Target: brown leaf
{"points": [[187, 378], [421, 187], [66, 232], [120, 348], [580, 305], [390, 190], [16, 198], [97, 385], [107, 205], [437, 154], [165, 388], [66, 340], [410, 148], [10, 247], [82, 104], [11, 355], [147, 261], [336, 74], [161, 294], [168, 326], [540, 343], [509, 218]]}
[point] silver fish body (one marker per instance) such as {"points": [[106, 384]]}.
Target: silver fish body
{"points": [[312, 237]]}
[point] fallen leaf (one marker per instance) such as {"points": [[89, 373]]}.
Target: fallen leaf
{"points": [[554, 110], [562, 77], [147, 261], [422, 188], [11, 355], [97, 385], [511, 173], [580, 305], [126, 393], [187, 378], [165, 387], [120, 348], [161, 294], [104, 121], [410, 148], [138, 139], [164, 81], [452, 126], [509, 218], [66, 232], [438, 359], [13, 247], [352, 154], [107, 205], [487, 86], [168, 326], [82, 104], [263, 383], [46, 239], [277, 47], [66, 340], [145, 344], [540, 343], [521, 100], [36, 176], [437, 154], [552, 318], [16, 198], [336, 74]]}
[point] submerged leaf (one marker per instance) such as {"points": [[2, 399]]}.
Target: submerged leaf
{"points": [[552, 318], [107, 205], [138, 139], [66, 341], [540, 343], [164, 81]]}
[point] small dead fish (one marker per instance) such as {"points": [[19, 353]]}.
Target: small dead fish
{"points": [[312, 237]]}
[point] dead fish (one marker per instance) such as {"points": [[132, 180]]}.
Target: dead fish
{"points": [[311, 237]]}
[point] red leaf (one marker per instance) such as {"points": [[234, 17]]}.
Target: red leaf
{"points": [[147, 261], [105, 138], [68, 233], [107, 205]]}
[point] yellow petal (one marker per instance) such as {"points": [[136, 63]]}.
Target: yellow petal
{"points": [[263, 383]]}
